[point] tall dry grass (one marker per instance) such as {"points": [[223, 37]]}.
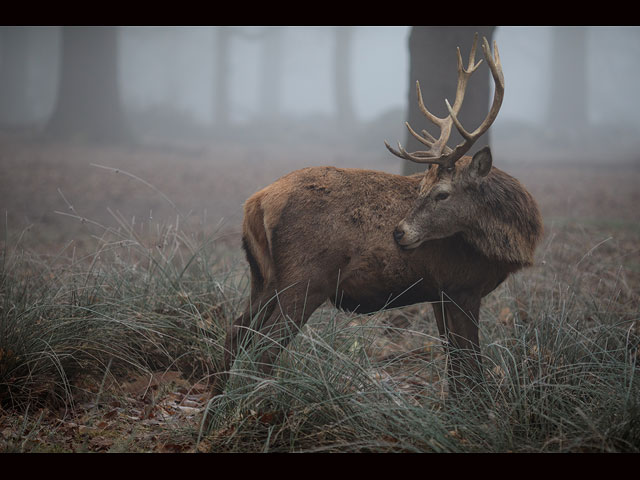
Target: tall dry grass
{"points": [[560, 345]]}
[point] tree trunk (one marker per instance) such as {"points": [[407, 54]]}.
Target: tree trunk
{"points": [[14, 76], [88, 105], [433, 62]]}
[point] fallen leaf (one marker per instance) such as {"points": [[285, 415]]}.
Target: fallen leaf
{"points": [[267, 417], [204, 447], [85, 429], [189, 410], [505, 317], [174, 448], [111, 414], [100, 443]]}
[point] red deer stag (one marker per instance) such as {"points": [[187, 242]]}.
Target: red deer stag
{"points": [[369, 240]]}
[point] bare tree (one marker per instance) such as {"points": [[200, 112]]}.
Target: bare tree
{"points": [[88, 104], [13, 75], [433, 63]]}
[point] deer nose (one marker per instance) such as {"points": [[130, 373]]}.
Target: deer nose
{"points": [[398, 233]]}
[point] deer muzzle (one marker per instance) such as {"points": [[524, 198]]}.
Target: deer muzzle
{"points": [[404, 237]]}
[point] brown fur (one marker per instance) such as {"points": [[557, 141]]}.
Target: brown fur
{"points": [[327, 233], [505, 223]]}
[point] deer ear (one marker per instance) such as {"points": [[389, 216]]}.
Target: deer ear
{"points": [[481, 163]]}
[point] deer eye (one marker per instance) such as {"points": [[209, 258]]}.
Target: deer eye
{"points": [[442, 196]]}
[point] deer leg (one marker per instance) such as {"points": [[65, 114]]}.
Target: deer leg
{"points": [[457, 321], [270, 324], [260, 308], [293, 307]]}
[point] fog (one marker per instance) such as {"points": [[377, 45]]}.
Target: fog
{"points": [[167, 84], [174, 67], [611, 72], [181, 70]]}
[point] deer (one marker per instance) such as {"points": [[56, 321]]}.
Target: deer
{"points": [[367, 240]]}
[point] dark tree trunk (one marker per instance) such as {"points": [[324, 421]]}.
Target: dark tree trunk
{"points": [[14, 75], [342, 72], [433, 62], [88, 105]]}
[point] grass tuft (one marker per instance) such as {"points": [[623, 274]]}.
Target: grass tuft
{"points": [[559, 341]]}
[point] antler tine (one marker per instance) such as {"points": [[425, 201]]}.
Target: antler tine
{"points": [[465, 73], [439, 153], [436, 147], [426, 138], [496, 71], [472, 57], [418, 157]]}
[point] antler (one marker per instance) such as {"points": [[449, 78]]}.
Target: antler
{"points": [[439, 153]]}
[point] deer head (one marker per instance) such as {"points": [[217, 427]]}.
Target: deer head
{"points": [[447, 201]]}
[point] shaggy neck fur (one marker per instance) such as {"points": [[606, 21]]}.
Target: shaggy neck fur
{"points": [[508, 225]]}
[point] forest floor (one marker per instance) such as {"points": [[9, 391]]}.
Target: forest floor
{"points": [[590, 212]]}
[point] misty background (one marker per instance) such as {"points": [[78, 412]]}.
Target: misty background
{"points": [[170, 81], [208, 115]]}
